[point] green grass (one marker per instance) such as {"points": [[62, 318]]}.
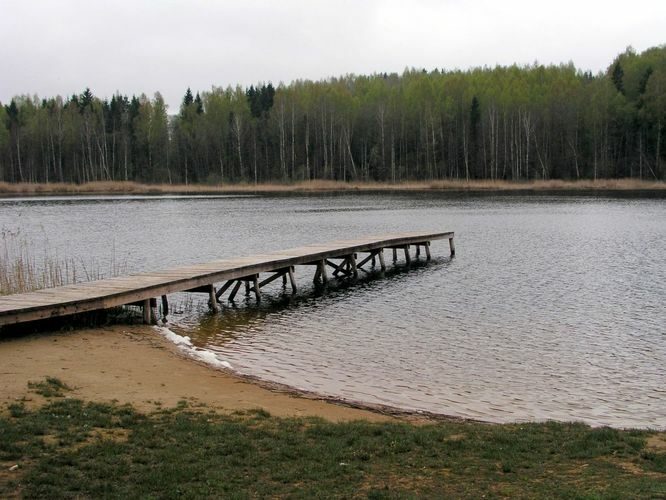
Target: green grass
{"points": [[50, 387], [69, 448]]}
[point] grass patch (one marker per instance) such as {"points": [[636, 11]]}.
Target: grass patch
{"points": [[69, 448], [50, 387]]}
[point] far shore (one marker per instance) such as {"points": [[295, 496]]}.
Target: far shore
{"points": [[129, 188]]}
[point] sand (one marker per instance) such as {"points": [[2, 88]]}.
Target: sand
{"points": [[136, 365]]}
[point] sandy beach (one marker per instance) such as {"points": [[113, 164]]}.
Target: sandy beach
{"points": [[136, 365]]}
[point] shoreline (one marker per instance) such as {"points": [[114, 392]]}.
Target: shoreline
{"points": [[414, 416], [137, 365], [140, 366], [109, 188]]}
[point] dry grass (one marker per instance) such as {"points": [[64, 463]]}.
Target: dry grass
{"points": [[112, 187], [22, 270]]}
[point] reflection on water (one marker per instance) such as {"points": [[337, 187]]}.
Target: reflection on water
{"points": [[552, 308]]}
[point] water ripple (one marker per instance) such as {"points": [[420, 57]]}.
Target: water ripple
{"points": [[552, 309]]}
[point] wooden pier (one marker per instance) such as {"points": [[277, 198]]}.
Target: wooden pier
{"points": [[341, 257]]}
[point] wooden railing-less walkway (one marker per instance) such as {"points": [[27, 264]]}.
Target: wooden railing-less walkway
{"points": [[143, 289]]}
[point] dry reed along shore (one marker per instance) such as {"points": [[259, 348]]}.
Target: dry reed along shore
{"points": [[116, 187]]}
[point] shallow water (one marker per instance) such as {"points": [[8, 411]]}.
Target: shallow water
{"points": [[553, 307]]}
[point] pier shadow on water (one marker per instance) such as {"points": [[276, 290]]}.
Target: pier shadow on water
{"points": [[194, 318]]}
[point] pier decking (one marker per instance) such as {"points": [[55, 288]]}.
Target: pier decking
{"points": [[143, 289]]}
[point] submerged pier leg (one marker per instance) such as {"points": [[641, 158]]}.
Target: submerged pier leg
{"points": [[257, 290], [452, 246], [352, 264], [408, 259], [212, 299], [418, 251], [292, 280], [427, 250], [322, 272], [247, 287], [165, 308], [382, 265], [395, 255]]}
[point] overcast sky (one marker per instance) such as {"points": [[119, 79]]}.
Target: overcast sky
{"points": [[54, 47]]}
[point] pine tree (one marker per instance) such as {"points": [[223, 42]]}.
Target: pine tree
{"points": [[86, 99], [618, 77], [198, 104], [188, 99]]}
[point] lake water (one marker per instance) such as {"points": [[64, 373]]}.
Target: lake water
{"points": [[553, 308]]}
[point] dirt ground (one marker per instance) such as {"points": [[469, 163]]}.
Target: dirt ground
{"points": [[136, 365]]}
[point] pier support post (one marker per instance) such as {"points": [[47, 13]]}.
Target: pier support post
{"points": [[395, 255], [427, 250], [257, 289], [322, 272], [418, 250], [147, 312], [165, 308], [284, 279], [381, 259], [247, 287], [212, 299], [452, 246], [292, 279], [408, 259], [352, 263]]}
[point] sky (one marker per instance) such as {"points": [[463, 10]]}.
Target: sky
{"points": [[60, 47]]}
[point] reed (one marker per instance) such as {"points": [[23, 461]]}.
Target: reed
{"points": [[22, 269], [118, 187]]}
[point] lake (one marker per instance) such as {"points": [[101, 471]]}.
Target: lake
{"points": [[553, 307]]}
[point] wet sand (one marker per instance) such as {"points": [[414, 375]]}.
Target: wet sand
{"points": [[136, 365]]}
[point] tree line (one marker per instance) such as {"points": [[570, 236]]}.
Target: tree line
{"points": [[506, 122]]}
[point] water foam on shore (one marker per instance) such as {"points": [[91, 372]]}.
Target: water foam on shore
{"points": [[184, 344]]}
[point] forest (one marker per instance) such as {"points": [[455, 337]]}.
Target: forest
{"points": [[507, 122]]}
